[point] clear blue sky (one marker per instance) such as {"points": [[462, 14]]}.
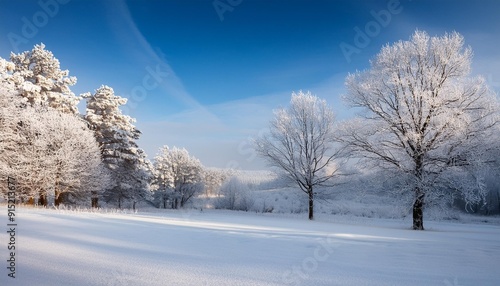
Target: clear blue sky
{"points": [[208, 79]]}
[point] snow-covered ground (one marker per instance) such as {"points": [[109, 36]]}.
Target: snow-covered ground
{"points": [[57, 247]]}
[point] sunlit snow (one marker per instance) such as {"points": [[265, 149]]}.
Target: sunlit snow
{"points": [[195, 247]]}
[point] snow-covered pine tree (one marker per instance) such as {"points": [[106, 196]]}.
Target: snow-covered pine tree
{"points": [[116, 135], [44, 83], [140, 178], [46, 144]]}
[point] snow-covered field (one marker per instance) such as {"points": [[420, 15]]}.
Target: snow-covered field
{"points": [[56, 247]]}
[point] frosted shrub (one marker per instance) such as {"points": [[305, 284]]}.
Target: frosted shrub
{"points": [[235, 195]]}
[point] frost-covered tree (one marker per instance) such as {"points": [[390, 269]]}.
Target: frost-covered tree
{"points": [[424, 117], [8, 80], [300, 143], [142, 176], [213, 180], [179, 176], [9, 114], [235, 195], [54, 153], [44, 83], [16, 136], [75, 157], [116, 135]]}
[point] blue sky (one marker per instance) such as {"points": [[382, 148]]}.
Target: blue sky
{"points": [[208, 79]]}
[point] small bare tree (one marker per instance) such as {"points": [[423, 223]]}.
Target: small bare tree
{"points": [[424, 116], [300, 143]]}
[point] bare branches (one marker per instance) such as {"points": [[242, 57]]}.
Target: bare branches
{"points": [[422, 110], [300, 142]]}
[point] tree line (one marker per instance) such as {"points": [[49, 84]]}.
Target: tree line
{"points": [[424, 119], [60, 156]]}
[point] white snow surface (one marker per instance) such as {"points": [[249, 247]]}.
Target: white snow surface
{"points": [[209, 247]]}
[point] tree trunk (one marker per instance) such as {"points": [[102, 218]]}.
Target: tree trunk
{"points": [[42, 200], [418, 210], [418, 205], [94, 200], [311, 203], [58, 198]]}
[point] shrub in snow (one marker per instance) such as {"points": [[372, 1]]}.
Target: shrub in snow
{"points": [[235, 195], [213, 180]]}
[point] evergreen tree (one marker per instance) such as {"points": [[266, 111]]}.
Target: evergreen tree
{"points": [[116, 136], [43, 82], [54, 153]]}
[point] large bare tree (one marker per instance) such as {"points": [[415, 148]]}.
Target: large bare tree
{"points": [[424, 115], [300, 143]]}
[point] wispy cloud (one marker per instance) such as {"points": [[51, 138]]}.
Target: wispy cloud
{"points": [[221, 140], [225, 139], [143, 51]]}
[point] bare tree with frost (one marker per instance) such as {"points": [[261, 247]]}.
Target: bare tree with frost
{"points": [[424, 116], [300, 143]]}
